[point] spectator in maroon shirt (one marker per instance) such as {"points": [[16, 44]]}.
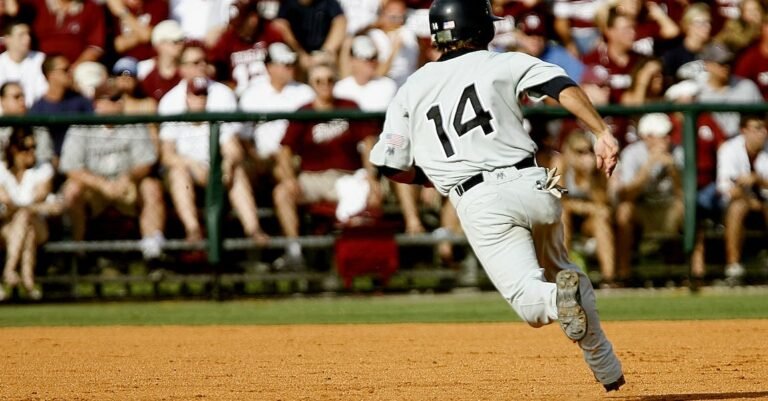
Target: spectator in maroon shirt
{"points": [[652, 24], [131, 25], [616, 54], [329, 151], [753, 63], [73, 28], [160, 74], [239, 53]]}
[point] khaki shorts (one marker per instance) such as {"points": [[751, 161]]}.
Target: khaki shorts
{"points": [[319, 186], [659, 217], [127, 204]]}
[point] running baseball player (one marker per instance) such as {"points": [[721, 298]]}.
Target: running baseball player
{"points": [[457, 124]]}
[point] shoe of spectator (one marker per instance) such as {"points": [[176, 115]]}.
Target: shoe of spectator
{"points": [[734, 273], [152, 246], [3, 294], [35, 294], [289, 262]]}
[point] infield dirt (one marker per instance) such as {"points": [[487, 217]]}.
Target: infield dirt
{"points": [[691, 360]]}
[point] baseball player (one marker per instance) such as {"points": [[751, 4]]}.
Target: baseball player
{"points": [[457, 124]]}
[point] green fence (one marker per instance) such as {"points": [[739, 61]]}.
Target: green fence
{"points": [[215, 192]]}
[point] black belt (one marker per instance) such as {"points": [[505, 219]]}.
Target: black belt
{"points": [[470, 182]]}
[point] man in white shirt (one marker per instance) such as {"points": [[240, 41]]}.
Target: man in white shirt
{"points": [[185, 146], [742, 181], [20, 64], [371, 93]]}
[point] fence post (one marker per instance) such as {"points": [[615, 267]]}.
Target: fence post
{"points": [[214, 205], [689, 180]]}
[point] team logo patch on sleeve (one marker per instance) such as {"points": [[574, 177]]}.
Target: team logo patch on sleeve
{"points": [[395, 140]]}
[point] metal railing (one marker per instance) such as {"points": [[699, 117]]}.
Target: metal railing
{"points": [[215, 190]]}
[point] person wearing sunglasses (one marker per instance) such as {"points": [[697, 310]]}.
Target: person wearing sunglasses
{"points": [[25, 188]]}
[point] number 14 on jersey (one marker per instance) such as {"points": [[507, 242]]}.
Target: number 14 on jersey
{"points": [[482, 118]]}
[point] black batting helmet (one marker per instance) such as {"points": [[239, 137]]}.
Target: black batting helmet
{"points": [[453, 20]]}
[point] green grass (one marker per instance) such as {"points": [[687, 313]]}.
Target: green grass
{"points": [[472, 307]]}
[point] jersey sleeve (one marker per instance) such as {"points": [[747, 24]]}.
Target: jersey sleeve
{"points": [[394, 148], [534, 73]]}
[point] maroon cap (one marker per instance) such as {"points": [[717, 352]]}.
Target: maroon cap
{"points": [[198, 86]]}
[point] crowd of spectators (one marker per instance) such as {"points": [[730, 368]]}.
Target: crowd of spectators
{"points": [[177, 56]]}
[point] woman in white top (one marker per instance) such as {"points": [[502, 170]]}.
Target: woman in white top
{"points": [[24, 190]]}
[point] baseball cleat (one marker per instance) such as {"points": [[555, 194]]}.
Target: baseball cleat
{"points": [[570, 314], [615, 385]]}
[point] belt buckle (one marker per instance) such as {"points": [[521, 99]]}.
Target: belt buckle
{"points": [[460, 189]]}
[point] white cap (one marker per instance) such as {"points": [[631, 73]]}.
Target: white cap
{"points": [[167, 30], [363, 47], [654, 124], [683, 89], [280, 53], [88, 75]]}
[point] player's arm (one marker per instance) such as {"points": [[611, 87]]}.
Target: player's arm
{"points": [[573, 99]]}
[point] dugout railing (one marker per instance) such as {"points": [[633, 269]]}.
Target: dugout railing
{"points": [[215, 244]]}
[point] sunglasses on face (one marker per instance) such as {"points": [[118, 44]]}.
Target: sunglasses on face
{"points": [[323, 81], [197, 62]]}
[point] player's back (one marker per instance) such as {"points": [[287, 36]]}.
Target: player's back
{"points": [[464, 115]]}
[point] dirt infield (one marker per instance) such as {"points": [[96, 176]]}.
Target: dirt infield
{"points": [[699, 360]]}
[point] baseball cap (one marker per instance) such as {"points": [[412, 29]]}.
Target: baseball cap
{"points": [[198, 86], [716, 53], [126, 66], [280, 53], [596, 75], [169, 30], [654, 124], [532, 24], [363, 47], [683, 89]]}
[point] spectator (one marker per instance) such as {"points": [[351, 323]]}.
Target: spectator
{"points": [[12, 103], [124, 73], [531, 38], [722, 87], [647, 83], [25, 187], [131, 25], [110, 166], [239, 53], [742, 181], [398, 46], [75, 29], [648, 187], [329, 152], [575, 24], [371, 93], [360, 14], [753, 62], [159, 74], [652, 24], [310, 26], [741, 32], [587, 208], [682, 62], [709, 137], [20, 64], [60, 98], [616, 55], [185, 147], [279, 93], [202, 20]]}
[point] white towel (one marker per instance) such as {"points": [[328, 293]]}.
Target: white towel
{"points": [[353, 195]]}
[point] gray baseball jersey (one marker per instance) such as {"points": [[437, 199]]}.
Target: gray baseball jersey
{"points": [[457, 117]]}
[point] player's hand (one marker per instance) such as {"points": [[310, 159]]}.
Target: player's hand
{"points": [[607, 153]]}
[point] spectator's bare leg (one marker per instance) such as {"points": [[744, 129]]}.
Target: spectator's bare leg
{"points": [[152, 218], [606, 251], [28, 259], [450, 221], [625, 216], [406, 195], [567, 220], [242, 200], [285, 207], [734, 229], [74, 198], [183, 196], [15, 234], [698, 265]]}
